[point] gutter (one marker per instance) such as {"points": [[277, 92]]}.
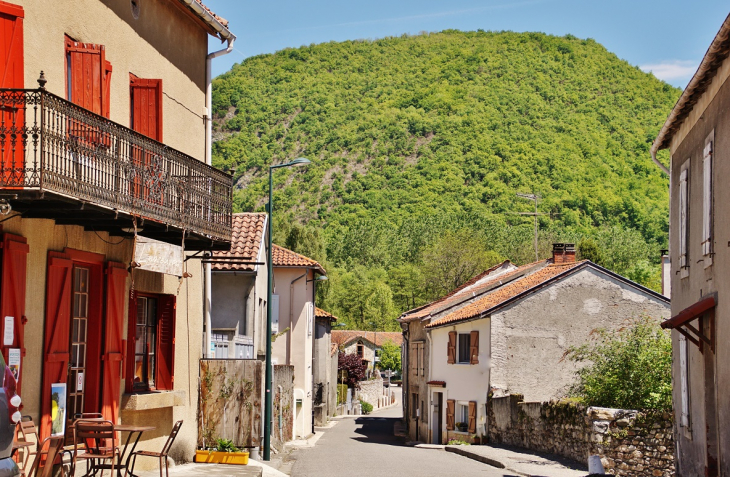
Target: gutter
{"points": [[656, 161], [223, 32]]}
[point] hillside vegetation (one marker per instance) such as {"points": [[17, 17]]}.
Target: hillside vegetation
{"points": [[419, 143]]}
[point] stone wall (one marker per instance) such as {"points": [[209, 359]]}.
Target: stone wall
{"points": [[371, 391], [283, 405], [630, 443]]}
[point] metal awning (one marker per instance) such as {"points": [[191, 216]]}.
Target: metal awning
{"points": [[682, 322]]}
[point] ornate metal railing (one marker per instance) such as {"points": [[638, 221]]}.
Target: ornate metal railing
{"points": [[52, 145]]}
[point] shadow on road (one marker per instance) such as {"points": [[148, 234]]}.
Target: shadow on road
{"points": [[378, 430]]}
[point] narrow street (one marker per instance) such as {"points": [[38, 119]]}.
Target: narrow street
{"points": [[366, 446]]}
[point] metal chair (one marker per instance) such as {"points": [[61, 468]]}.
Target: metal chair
{"points": [[159, 455], [95, 442], [48, 452]]}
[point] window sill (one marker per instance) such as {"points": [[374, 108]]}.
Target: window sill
{"points": [[152, 400]]}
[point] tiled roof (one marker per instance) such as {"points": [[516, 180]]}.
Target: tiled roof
{"points": [[504, 293], [283, 257], [248, 233], [320, 313], [222, 20], [345, 337]]}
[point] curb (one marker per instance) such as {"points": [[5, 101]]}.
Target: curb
{"points": [[484, 460]]}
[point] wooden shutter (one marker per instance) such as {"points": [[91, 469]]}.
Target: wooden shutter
{"points": [[450, 408], [707, 200], [452, 348], [107, 89], [683, 217], [166, 343], [116, 285], [474, 347], [86, 75], [472, 417], [11, 76], [56, 338], [12, 293], [131, 344], [146, 111], [683, 381]]}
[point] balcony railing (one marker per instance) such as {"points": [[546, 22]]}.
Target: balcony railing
{"points": [[50, 145]]}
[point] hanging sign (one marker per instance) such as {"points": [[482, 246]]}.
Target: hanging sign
{"points": [[159, 257]]}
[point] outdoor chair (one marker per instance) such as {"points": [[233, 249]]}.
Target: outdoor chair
{"points": [[28, 433], [162, 455], [47, 453], [95, 442]]}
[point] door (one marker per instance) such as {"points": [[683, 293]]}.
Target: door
{"points": [[437, 417], [78, 343], [11, 76]]}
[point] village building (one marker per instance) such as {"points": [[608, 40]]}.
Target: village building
{"points": [[696, 133], [325, 367], [292, 316], [106, 187], [510, 334], [365, 344]]}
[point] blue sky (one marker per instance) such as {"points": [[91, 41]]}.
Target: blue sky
{"points": [[667, 37]]}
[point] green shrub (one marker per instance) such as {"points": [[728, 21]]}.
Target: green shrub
{"points": [[341, 393], [225, 445], [457, 442], [366, 407]]}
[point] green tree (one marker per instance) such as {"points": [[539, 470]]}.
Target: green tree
{"points": [[390, 356], [626, 369]]}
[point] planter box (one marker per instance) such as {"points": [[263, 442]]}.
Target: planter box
{"points": [[215, 457]]}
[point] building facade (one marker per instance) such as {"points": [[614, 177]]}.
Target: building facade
{"points": [[325, 367]]}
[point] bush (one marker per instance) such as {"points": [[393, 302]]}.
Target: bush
{"points": [[457, 442], [626, 369], [366, 407], [341, 393], [354, 366], [225, 445]]}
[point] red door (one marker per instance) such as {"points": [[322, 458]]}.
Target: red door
{"points": [[11, 76], [116, 280], [12, 296]]}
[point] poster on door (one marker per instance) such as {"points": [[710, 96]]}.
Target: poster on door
{"points": [[14, 362], [58, 409]]}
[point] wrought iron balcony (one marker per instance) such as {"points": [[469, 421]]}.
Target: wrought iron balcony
{"points": [[61, 161]]}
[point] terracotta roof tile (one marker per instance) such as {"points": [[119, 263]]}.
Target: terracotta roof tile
{"points": [[222, 20], [320, 313], [283, 257], [505, 293], [345, 337], [248, 233]]}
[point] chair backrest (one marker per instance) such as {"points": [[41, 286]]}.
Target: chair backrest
{"points": [[28, 430], [48, 451], [94, 434], [171, 439]]}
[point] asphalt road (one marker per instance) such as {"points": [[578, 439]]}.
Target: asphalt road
{"points": [[366, 446]]}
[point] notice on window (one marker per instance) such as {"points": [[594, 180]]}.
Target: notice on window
{"points": [[80, 382], [9, 331], [14, 362]]}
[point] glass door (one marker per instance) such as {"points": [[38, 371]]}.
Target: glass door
{"points": [[79, 333]]}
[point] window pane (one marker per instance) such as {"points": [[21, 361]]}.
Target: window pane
{"points": [[464, 343]]}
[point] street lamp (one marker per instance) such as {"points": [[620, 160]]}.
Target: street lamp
{"points": [[269, 399]]}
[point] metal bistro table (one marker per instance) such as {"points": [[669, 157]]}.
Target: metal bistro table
{"points": [[131, 429]]}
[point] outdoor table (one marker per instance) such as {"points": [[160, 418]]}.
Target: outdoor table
{"points": [[131, 429]]}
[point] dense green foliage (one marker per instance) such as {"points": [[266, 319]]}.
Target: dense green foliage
{"points": [[627, 369], [366, 407], [418, 137], [390, 357]]}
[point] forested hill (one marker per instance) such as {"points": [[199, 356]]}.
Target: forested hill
{"points": [[416, 138]]}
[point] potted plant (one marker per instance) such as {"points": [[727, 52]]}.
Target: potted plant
{"points": [[225, 452], [462, 426]]}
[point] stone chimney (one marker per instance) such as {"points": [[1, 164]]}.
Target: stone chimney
{"points": [[563, 253]]}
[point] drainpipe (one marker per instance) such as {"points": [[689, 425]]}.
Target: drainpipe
{"points": [[659, 164]]}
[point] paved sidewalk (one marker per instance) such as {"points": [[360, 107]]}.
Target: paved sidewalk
{"points": [[253, 469], [520, 461]]}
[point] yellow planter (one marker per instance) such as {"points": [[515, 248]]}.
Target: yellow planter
{"points": [[215, 457]]}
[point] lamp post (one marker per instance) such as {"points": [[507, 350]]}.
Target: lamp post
{"points": [[268, 397]]}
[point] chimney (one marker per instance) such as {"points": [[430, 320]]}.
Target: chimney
{"points": [[563, 253]]}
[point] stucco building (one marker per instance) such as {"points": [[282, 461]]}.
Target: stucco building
{"points": [[511, 334], [325, 367], [104, 153], [696, 133], [365, 344]]}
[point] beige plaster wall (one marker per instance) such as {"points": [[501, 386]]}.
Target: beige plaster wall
{"points": [[295, 347], [163, 43]]}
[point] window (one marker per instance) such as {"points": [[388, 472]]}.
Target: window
{"points": [[683, 219], [360, 349], [151, 342], [707, 211], [464, 347], [462, 416], [420, 371]]}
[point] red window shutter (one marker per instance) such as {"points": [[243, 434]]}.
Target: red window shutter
{"points": [[87, 74], [452, 348], [450, 408], [474, 348], [56, 337], [11, 76], [116, 285], [146, 100], [107, 88], [166, 343], [472, 417], [12, 292], [131, 342]]}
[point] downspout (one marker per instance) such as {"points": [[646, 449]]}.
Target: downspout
{"points": [[656, 161]]}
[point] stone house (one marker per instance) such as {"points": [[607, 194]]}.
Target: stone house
{"points": [[325, 367], [106, 187], [292, 315], [513, 336], [238, 291], [365, 344], [697, 134]]}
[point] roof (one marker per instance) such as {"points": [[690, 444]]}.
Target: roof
{"points": [[345, 337], [216, 25], [717, 53], [249, 230], [320, 313], [283, 257]]}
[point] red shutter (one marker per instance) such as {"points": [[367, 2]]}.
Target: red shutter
{"points": [[474, 348], [166, 343], [450, 421], [87, 74], [472, 417], [452, 348], [107, 88], [12, 292], [11, 76], [116, 285], [131, 343], [56, 341], [146, 98]]}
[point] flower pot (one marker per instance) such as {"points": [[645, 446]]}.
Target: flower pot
{"points": [[215, 457]]}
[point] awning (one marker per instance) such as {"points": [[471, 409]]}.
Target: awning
{"points": [[682, 322]]}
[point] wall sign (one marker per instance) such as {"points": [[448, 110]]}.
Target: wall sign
{"points": [[159, 257], [9, 331]]}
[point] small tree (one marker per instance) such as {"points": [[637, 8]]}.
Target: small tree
{"points": [[390, 357], [626, 369], [353, 366]]}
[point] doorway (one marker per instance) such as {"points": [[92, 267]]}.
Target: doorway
{"points": [[438, 402]]}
